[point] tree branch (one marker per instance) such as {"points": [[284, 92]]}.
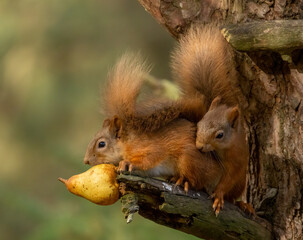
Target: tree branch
{"points": [[192, 213], [278, 36]]}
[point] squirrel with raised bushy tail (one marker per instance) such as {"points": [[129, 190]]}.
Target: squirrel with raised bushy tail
{"points": [[203, 64], [162, 138]]}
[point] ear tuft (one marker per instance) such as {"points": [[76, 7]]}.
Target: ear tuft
{"points": [[106, 123], [215, 103], [117, 126], [233, 117]]}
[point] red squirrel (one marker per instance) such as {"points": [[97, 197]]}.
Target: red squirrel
{"points": [[154, 139], [162, 140], [203, 64]]}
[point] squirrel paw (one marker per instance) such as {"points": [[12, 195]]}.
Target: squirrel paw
{"points": [[218, 202], [125, 166], [246, 207], [181, 181]]}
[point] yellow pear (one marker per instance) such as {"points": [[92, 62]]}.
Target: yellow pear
{"points": [[98, 184]]}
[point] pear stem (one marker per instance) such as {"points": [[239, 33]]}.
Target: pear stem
{"points": [[62, 180]]}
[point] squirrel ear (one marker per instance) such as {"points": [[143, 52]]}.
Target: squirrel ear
{"points": [[233, 117], [116, 126], [106, 123], [215, 103]]}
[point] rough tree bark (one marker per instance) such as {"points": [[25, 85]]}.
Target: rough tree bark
{"points": [[191, 212], [272, 86]]}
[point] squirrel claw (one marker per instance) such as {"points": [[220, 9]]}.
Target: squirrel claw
{"points": [[180, 182], [130, 168], [217, 212], [186, 187], [218, 202], [124, 166]]}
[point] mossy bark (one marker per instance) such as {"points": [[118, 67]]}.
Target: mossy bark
{"points": [[281, 36], [192, 213]]}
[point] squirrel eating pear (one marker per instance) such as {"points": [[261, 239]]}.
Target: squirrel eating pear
{"points": [[98, 184]]}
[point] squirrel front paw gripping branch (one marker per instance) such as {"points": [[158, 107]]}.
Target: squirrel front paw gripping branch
{"points": [[198, 141]]}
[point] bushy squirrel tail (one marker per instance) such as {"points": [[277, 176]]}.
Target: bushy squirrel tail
{"points": [[120, 99], [202, 63], [123, 86]]}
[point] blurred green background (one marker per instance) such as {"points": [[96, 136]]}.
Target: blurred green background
{"points": [[54, 56]]}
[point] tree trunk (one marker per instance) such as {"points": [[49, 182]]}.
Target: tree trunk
{"points": [[271, 80]]}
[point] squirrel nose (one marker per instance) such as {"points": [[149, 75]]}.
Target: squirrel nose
{"points": [[86, 161], [199, 145]]}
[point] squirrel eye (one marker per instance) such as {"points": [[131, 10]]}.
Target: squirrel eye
{"points": [[220, 135], [101, 144]]}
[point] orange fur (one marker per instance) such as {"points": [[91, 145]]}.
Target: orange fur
{"points": [[203, 64], [124, 84], [170, 150], [151, 137], [157, 140], [120, 95]]}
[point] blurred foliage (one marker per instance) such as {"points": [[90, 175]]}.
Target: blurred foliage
{"points": [[54, 55]]}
